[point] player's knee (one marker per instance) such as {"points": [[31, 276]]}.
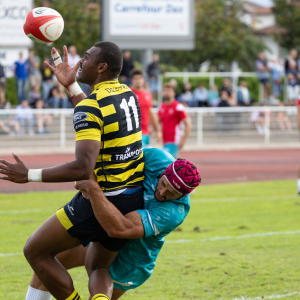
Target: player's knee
{"points": [[30, 251]]}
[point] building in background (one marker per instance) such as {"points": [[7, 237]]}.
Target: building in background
{"points": [[262, 20]]}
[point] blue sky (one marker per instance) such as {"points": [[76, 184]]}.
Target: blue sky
{"points": [[266, 3]]}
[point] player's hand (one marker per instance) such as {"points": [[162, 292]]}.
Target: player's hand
{"points": [[86, 185], [65, 74], [17, 172]]}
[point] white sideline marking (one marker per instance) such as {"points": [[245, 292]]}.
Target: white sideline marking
{"points": [[25, 211], [269, 297], [217, 238], [10, 254], [244, 236], [245, 199]]}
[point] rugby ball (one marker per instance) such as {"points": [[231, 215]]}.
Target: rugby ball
{"points": [[43, 25]]}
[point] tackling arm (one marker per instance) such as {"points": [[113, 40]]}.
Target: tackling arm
{"points": [[110, 218]]}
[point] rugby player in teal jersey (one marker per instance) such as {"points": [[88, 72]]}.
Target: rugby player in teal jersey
{"points": [[166, 204]]}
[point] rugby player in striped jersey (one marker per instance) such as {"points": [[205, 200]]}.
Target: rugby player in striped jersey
{"points": [[108, 143], [167, 186]]}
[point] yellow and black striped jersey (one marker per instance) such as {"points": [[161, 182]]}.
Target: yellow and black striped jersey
{"points": [[111, 114]]}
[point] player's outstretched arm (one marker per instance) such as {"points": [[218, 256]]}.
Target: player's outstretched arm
{"points": [[81, 168], [110, 218], [66, 75]]}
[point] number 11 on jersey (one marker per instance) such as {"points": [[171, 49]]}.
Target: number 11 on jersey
{"points": [[125, 106]]}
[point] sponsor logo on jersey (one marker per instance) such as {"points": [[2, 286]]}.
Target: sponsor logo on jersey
{"points": [[79, 116], [71, 210], [127, 150], [128, 154], [81, 125]]}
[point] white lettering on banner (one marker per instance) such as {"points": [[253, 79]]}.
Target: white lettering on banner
{"points": [[128, 155], [135, 17], [12, 15]]}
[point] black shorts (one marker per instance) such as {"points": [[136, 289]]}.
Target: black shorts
{"points": [[79, 220]]}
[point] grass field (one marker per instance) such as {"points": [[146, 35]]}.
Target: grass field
{"points": [[239, 240]]}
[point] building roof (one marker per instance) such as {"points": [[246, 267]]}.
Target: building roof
{"points": [[255, 9]]}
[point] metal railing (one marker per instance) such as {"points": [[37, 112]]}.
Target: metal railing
{"points": [[210, 126]]}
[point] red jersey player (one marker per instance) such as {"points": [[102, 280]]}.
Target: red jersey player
{"points": [[145, 101], [171, 113]]}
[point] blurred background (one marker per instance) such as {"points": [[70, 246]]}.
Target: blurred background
{"points": [[234, 66]]}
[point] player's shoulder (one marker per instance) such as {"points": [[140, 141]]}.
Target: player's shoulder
{"points": [[179, 106], [110, 88], [156, 160]]}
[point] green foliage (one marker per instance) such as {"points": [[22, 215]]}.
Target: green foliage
{"points": [[287, 15], [11, 91], [220, 38], [253, 84], [250, 267], [82, 25]]}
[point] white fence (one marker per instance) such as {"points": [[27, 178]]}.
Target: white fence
{"points": [[217, 126]]}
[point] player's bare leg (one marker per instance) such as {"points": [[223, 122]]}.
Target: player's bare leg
{"points": [[98, 261], [70, 259], [40, 251]]}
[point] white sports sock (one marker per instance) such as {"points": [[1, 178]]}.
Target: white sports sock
{"points": [[298, 184], [34, 294]]}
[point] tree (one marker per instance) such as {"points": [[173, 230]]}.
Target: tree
{"points": [[220, 38], [82, 25], [287, 15]]}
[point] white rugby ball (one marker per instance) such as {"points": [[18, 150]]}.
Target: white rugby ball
{"points": [[43, 25]]}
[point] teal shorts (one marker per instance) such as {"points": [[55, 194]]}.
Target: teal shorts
{"points": [[126, 276], [145, 141], [172, 149]]}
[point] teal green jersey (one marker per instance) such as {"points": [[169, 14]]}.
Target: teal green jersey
{"points": [[135, 262]]}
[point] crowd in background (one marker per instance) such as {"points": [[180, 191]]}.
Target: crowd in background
{"points": [[37, 88]]}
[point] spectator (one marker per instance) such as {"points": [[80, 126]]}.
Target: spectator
{"points": [[186, 97], [293, 83], [277, 73], [58, 96], [213, 96], [224, 99], [7, 122], [20, 71], [262, 71], [200, 96], [47, 77], [171, 113], [34, 74], [34, 96], [258, 120], [153, 72], [2, 87], [283, 121], [226, 87], [127, 67], [290, 59], [145, 101], [42, 119], [243, 95], [24, 115], [73, 57]]}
